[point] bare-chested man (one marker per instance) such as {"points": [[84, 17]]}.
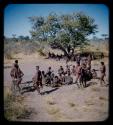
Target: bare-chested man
{"points": [[60, 70], [103, 73], [37, 79], [16, 74], [78, 72], [83, 76], [73, 73], [89, 62], [73, 70], [48, 76], [78, 58], [67, 69], [60, 78]]}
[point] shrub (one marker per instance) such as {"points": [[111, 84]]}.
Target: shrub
{"points": [[41, 53], [8, 56], [19, 47], [71, 104]]}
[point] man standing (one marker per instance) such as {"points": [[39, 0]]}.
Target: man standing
{"points": [[37, 79], [102, 73], [16, 75], [78, 72], [73, 70], [78, 58], [48, 76], [89, 62], [83, 76]]}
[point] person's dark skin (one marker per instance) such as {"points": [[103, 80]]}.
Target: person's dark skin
{"points": [[37, 79], [16, 73], [103, 73], [78, 68]]}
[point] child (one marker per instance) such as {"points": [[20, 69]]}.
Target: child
{"points": [[56, 81], [68, 79], [60, 70], [94, 74]]}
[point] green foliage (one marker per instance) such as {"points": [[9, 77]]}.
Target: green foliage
{"points": [[64, 30], [41, 53]]}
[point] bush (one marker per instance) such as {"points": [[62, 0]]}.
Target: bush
{"points": [[8, 56], [41, 53]]}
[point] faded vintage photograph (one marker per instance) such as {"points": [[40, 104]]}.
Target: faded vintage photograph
{"points": [[56, 62]]}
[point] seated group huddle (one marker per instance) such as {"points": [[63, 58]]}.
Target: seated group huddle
{"points": [[81, 73]]}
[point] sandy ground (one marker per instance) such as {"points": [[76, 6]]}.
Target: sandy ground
{"points": [[66, 103]]}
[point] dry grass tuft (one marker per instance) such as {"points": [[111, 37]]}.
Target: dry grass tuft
{"points": [[50, 100], [71, 104], [89, 102], [103, 98], [53, 110], [85, 108], [14, 108], [96, 89]]}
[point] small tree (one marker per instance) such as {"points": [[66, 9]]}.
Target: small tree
{"points": [[104, 36], [21, 38], [14, 38]]}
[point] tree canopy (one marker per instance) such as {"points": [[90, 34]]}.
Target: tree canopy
{"points": [[63, 31]]}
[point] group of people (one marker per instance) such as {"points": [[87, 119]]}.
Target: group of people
{"points": [[79, 74], [73, 57], [53, 56], [58, 57]]}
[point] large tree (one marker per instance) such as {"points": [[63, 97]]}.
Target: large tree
{"points": [[65, 31]]}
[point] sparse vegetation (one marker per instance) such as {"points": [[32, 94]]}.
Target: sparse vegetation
{"points": [[41, 53], [29, 47], [71, 104], [96, 89], [89, 102], [8, 56], [14, 107], [51, 102], [103, 98], [53, 110], [26, 47]]}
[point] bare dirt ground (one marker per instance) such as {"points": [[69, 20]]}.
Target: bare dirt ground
{"points": [[66, 103]]}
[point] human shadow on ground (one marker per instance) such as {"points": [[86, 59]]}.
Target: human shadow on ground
{"points": [[90, 84], [32, 89], [49, 91], [28, 89]]}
